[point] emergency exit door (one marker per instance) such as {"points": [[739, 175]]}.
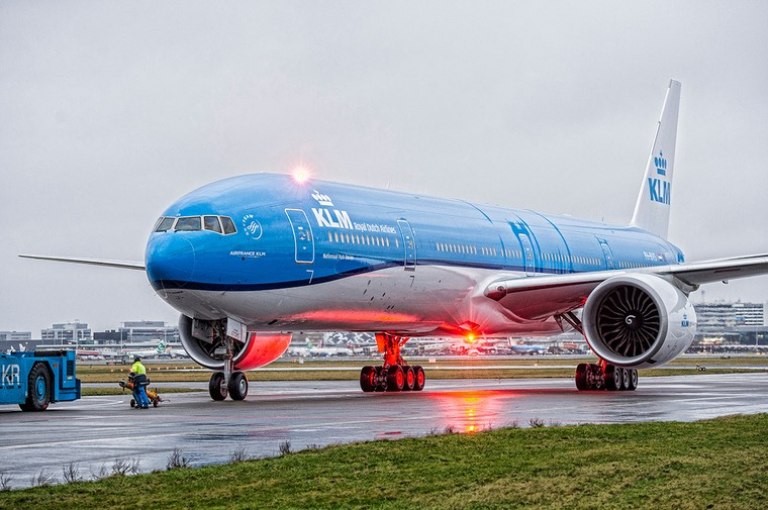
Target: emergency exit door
{"points": [[409, 245]]}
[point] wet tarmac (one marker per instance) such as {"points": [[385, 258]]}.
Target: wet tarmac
{"points": [[95, 432]]}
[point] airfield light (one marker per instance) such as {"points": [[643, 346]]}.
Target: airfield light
{"points": [[300, 174]]}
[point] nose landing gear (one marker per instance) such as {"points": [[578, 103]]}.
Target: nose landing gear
{"points": [[395, 374], [229, 382]]}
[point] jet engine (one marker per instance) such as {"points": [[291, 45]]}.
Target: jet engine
{"points": [[638, 321], [207, 344]]}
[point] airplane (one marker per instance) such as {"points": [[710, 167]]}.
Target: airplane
{"points": [[250, 259], [161, 350], [528, 349], [319, 351]]}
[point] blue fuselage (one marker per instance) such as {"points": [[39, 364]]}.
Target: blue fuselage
{"points": [[278, 255], [290, 234]]}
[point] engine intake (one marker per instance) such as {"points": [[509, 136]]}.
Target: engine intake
{"points": [[638, 321], [205, 346]]}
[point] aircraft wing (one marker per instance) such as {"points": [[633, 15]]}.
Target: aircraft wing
{"points": [[543, 296], [121, 264]]}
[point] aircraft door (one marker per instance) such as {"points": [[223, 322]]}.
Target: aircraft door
{"points": [[408, 244], [607, 253], [528, 256], [527, 242], [302, 236]]}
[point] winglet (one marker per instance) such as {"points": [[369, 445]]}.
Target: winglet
{"points": [[655, 198]]}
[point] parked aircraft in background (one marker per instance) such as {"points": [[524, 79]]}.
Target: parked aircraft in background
{"points": [[161, 350], [250, 259]]}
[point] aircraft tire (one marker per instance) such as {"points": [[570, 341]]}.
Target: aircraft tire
{"points": [[410, 378], [39, 389], [633, 379], [625, 373], [368, 379], [612, 378], [381, 381], [420, 378], [581, 377], [216, 389], [395, 378], [238, 386]]}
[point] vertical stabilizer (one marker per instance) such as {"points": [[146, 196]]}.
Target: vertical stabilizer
{"points": [[655, 198]]}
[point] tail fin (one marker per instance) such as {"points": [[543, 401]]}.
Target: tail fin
{"points": [[652, 207]]}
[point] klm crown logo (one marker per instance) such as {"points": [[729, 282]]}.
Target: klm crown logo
{"points": [[322, 198], [661, 164], [660, 190]]}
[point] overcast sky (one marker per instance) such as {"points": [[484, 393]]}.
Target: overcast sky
{"points": [[110, 111]]}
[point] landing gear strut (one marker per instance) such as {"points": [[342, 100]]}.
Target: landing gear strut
{"points": [[395, 374]]}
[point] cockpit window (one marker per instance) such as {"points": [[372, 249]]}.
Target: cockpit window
{"points": [[164, 224], [211, 223], [188, 223], [229, 227]]}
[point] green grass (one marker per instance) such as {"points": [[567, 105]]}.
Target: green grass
{"points": [[720, 463]]}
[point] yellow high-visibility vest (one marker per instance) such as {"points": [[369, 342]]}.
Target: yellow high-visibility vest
{"points": [[138, 369]]}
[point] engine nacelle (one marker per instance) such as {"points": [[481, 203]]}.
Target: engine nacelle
{"points": [[638, 321], [205, 347]]}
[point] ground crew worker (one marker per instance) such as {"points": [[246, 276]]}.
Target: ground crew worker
{"points": [[139, 383]]}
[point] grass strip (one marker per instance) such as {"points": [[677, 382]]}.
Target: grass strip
{"points": [[721, 463]]}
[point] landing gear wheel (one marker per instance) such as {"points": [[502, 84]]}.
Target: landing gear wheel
{"points": [[395, 378], [410, 378], [381, 381], [238, 386], [420, 378], [633, 379], [612, 377], [625, 379], [216, 386], [38, 389], [368, 379], [581, 377]]}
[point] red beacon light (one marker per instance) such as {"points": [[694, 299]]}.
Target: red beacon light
{"points": [[300, 174]]}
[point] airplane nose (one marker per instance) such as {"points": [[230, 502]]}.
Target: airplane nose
{"points": [[170, 260]]}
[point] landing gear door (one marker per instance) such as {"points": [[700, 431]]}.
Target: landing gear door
{"points": [[302, 236], [408, 244]]}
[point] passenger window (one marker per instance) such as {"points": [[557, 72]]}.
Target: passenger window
{"points": [[188, 223], [211, 223], [229, 227], [164, 224]]}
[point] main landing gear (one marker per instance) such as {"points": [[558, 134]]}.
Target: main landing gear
{"points": [[395, 374], [604, 376]]}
